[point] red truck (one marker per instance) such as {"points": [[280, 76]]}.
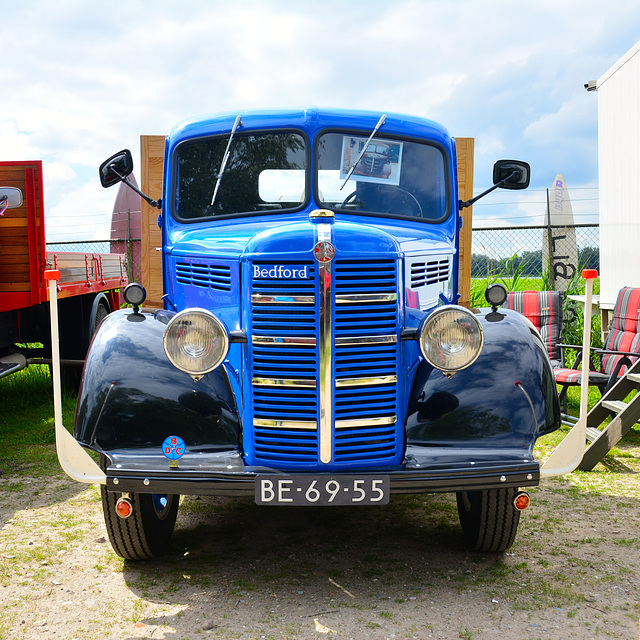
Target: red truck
{"points": [[88, 287]]}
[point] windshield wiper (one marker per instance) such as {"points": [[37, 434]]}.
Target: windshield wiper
{"points": [[223, 166], [373, 133]]}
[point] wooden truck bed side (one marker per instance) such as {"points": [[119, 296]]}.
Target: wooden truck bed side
{"points": [[23, 254], [22, 242]]}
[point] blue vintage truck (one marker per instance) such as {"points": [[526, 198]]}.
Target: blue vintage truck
{"points": [[310, 350]]}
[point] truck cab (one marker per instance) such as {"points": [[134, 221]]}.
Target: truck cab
{"points": [[311, 350]]}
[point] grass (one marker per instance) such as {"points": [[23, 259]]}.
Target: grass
{"points": [[27, 424]]}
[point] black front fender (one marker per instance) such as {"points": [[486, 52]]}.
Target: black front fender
{"points": [[503, 402], [132, 397]]}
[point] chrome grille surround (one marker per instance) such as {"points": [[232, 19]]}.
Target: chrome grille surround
{"points": [[326, 342], [301, 419], [284, 361]]}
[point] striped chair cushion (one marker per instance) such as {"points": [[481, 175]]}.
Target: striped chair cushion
{"points": [[574, 377], [624, 333], [544, 309]]}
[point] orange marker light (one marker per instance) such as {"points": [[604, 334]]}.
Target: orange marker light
{"points": [[124, 508], [521, 501]]}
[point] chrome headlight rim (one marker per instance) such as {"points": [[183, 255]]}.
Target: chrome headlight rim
{"points": [[221, 333], [428, 325]]}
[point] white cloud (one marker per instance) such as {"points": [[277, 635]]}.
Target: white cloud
{"points": [[490, 144], [82, 82], [568, 123], [16, 144]]}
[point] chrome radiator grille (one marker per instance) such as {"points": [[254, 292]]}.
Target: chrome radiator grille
{"points": [[285, 368]]}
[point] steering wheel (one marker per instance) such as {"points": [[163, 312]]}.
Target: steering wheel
{"points": [[403, 197], [346, 201], [400, 198]]}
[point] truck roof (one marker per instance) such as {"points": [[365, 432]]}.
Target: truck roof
{"points": [[310, 120]]}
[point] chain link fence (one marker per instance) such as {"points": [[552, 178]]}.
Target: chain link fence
{"points": [[523, 247]]}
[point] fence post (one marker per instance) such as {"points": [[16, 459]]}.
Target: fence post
{"points": [[552, 274]]}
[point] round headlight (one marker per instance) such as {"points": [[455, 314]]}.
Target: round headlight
{"points": [[451, 338], [195, 341]]}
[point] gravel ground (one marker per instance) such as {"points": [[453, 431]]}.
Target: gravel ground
{"points": [[236, 570]]}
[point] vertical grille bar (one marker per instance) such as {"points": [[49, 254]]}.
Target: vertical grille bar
{"points": [[326, 348]]}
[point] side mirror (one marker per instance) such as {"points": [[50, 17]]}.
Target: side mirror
{"points": [[10, 197], [511, 174], [116, 168], [507, 174]]}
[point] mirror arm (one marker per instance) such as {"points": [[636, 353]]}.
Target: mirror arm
{"points": [[154, 203], [468, 203]]}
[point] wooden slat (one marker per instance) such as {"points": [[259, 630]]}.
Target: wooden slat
{"points": [[74, 259], [152, 154], [15, 287], [12, 267], [15, 227], [13, 236], [465, 152], [12, 251], [14, 221]]}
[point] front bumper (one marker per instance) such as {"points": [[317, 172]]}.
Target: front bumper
{"points": [[225, 475]]}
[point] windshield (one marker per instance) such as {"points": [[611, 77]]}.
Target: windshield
{"points": [[393, 177], [263, 172]]}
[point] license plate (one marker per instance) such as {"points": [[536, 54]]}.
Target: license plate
{"points": [[321, 490]]}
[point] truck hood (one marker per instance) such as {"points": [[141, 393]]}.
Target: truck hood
{"points": [[207, 263], [296, 236]]}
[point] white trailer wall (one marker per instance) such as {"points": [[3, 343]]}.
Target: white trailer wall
{"points": [[619, 168]]}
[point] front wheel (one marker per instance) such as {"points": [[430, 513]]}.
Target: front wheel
{"points": [[489, 518], [147, 532]]}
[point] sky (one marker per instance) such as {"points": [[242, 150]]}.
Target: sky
{"points": [[81, 80]]}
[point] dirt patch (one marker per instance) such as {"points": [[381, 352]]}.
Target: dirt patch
{"points": [[236, 570]]}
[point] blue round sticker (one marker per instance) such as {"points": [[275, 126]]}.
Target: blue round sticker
{"points": [[173, 447]]}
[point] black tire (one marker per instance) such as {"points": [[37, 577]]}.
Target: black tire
{"points": [[488, 518], [147, 532], [101, 313]]}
